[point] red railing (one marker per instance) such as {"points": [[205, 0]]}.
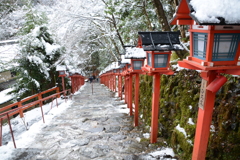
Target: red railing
{"points": [[7, 111]]}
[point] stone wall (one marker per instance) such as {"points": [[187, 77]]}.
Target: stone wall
{"points": [[179, 108]]}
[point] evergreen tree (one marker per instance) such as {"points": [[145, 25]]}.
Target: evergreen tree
{"points": [[36, 62], [33, 18], [38, 56]]}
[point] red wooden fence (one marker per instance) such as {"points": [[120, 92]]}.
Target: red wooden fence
{"points": [[7, 112]]}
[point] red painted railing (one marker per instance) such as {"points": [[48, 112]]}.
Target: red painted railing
{"points": [[7, 111]]}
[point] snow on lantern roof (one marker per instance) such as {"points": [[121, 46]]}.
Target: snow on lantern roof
{"points": [[216, 12], [61, 68], [160, 41], [124, 60], [135, 53], [209, 12]]}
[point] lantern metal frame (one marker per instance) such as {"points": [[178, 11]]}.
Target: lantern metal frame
{"points": [[61, 73], [158, 47]]}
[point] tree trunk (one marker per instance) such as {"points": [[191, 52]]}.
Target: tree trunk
{"points": [[118, 34], [147, 17], [161, 15]]}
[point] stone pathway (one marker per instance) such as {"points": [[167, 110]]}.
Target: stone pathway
{"points": [[92, 128]]}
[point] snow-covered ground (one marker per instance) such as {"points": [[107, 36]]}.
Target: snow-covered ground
{"points": [[7, 54], [4, 97], [25, 129]]}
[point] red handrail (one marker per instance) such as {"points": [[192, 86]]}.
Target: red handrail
{"points": [[7, 114]]}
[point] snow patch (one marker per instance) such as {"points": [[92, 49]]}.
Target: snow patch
{"points": [[182, 130], [4, 96]]}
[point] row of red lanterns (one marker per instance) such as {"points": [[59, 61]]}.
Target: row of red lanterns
{"points": [[77, 80], [214, 50]]}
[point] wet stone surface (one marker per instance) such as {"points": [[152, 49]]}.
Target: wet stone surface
{"points": [[93, 127]]}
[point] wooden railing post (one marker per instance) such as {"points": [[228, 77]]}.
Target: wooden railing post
{"points": [[10, 127], [58, 90], [40, 103], [19, 106], [1, 123]]}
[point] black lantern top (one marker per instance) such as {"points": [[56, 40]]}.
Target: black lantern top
{"points": [[160, 41]]}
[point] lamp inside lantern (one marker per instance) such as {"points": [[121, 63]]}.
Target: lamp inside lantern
{"points": [[158, 59], [223, 46], [61, 73], [158, 47], [137, 64]]}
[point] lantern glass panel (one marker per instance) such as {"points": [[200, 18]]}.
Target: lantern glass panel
{"points": [[137, 65], [225, 46], [160, 60], [61, 72], [199, 45], [149, 59]]}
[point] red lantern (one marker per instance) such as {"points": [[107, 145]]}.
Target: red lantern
{"points": [[158, 47], [214, 49]]}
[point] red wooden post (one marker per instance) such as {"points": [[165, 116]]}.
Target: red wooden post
{"points": [[157, 63], [72, 84], [204, 120], [121, 87], [126, 89], [42, 112], [115, 83], [112, 82], [108, 81], [111, 86], [20, 111], [57, 90], [40, 103], [1, 123], [130, 94], [79, 81], [10, 127], [118, 86], [63, 86], [155, 107], [136, 99], [75, 84]]}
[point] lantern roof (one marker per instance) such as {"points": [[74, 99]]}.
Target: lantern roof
{"points": [[124, 60], [61, 68], [135, 53], [160, 41], [205, 12]]}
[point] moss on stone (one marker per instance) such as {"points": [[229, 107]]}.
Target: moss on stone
{"points": [[179, 102]]}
